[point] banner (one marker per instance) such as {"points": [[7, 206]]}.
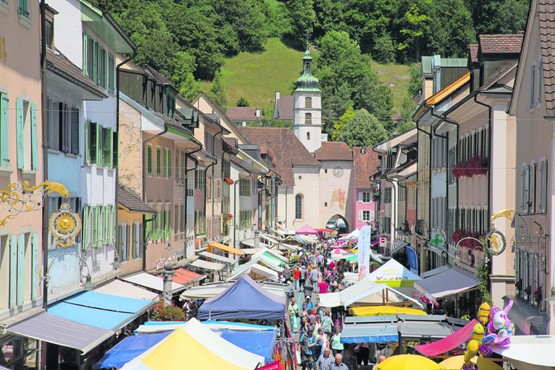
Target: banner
{"points": [[273, 366], [412, 259], [364, 251]]}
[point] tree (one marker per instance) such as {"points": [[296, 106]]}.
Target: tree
{"points": [[217, 90], [415, 82], [242, 102], [414, 28], [453, 28], [339, 126], [302, 18], [190, 87], [406, 123], [277, 18], [384, 49], [363, 129], [182, 65]]}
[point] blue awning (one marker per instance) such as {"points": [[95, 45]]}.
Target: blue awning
{"points": [[128, 349], [105, 311], [369, 333], [260, 342]]}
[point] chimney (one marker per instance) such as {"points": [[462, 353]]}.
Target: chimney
{"points": [[278, 96], [257, 239], [257, 113]]}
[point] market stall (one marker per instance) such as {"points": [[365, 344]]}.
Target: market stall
{"points": [[394, 274]]}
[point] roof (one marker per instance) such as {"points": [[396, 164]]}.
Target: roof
{"points": [[185, 277], [244, 113], [547, 41], [132, 202], [157, 75], [284, 108], [448, 90], [334, 151], [500, 44], [59, 64], [427, 61], [366, 163], [287, 150], [151, 282], [473, 53], [225, 248]]}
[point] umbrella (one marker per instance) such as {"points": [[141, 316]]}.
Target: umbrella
{"points": [[456, 362], [408, 362]]}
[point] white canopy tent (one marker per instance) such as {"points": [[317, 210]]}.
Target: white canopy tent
{"points": [[212, 290], [366, 292], [352, 235], [255, 270], [446, 283], [530, 352]]}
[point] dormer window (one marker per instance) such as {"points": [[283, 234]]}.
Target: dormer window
{"points": [[49, 33]]}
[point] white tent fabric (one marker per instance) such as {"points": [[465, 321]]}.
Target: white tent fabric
{"points": [[352, 235], [269, 239], [526, 350], [289, 247], [121, 288], [151, 282], [250, 243], [365, 291], [250, 250], [203, 335], [217, 257], [208, 265], [255, 268], [445, 283], [392, 270]]}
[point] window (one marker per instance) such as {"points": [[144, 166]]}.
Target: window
{"points": [[100, 145], [543, 186], [63, 127], [308, 102], [364, 215], [23, 8], [387, 195], [111, 73], [137, 239], [49, 36], [245, 187], [123, 242], [532, 86], [98, 63], [298, 206], [98, 226], [308, 118], [402, 194], [308, 136], [365, 197], [4, 133], [149, 160], [27, 136], [102, 62], [525, 189], [532, 197], [200, 180], [158, 162]]}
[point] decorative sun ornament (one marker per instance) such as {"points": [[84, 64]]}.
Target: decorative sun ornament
{"points": [[65, 225]]}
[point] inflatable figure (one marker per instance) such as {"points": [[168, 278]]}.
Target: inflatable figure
{"points": [[471, 351], [483, 313], [499, 327]]}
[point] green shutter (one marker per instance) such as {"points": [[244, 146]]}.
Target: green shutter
{"points": [[158, 162], [149, 160], [169, 164], [148, 228], [35, 268], [13, 271], [107, 150], [111, 72], [165, 162], [115, 150], [85, 229], [20, 269], [20, 137], [85, 54], [34, 139], [87, 143], [4, 132], [169, 222], [95, 62], [94, 228], [93, 143]]}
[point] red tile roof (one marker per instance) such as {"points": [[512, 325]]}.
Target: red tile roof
{"points": [[287, 151], [284, 108], [500, 44], [334, 151], [244, 113], [546, 13], [366, 163]]}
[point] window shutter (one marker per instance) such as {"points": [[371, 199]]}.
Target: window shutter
{"points": [[532, 86], [35, 280], [74, 142], [169, 164], [169, 222], [94, 226], [124, 243], [20, 137], [20, 269], [128, 242], [4, 132], [13, 272], [532, 208], [86, 231], [158, 162], [107, 150], [85, 54], [134, 228], [34, 139], [111, 72], [115, 151], [165, 162], [360, 216], [149, 160], [95, 62], [119, 242], [543, 186], [93, 129]]}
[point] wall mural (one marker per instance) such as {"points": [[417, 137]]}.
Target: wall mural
{"points": [[338, 196]]}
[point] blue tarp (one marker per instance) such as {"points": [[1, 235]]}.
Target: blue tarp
{"points": [[260, 342], [128, 349], [245, 299], [369, 333], [105, 311]]}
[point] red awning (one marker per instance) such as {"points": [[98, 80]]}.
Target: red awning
{"points": [[184, 277], [448, 343]]}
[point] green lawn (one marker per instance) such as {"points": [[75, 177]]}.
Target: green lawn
{"points": [[257, 76]]}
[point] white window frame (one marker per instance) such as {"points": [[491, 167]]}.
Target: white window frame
{"points": [[532, 185], [544, 176]]}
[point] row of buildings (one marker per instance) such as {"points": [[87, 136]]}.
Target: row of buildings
{"points": [[483, 143], [153, 178]]}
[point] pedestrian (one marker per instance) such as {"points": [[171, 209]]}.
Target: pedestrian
{"points": [[363, 353], [336, 345], [325, 360], [287, 274], [320, 344], [314, 277], [327, 323], [296, 277], [323, 287], [338, 363], [381, 358], [302, 277], [307, 305], [306, 342]]}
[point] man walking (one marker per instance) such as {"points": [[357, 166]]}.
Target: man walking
{"points": [[314, 275], [302, 277], [325, 360], [338, 363]]}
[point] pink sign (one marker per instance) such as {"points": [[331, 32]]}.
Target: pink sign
{"points": [[273, 366]]}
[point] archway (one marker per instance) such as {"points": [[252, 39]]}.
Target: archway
{"points": [[338, 223]]}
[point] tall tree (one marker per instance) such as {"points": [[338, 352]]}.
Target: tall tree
{"points": [[453, 28], [217, 90], [303, 18], [363, 130]]}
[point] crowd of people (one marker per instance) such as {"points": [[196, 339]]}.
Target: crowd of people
{"points": [[319, 328]]}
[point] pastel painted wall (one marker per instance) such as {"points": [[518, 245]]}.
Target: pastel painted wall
{"points": [[336, 194], [362, 206]]}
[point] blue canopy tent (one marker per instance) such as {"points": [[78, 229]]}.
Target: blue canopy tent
{"points": [[260, 342], [128, 349], [245, 299]]}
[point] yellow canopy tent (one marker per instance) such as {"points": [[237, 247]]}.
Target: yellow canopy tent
{"points": [[223, 247], [384, 311], [456, 362]]}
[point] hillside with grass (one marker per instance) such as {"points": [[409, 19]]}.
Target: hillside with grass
{"points": [[257, 76]]}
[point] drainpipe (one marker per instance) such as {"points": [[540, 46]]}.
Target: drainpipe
{"points": [[423, 254], [187, 156], [235, 196], [212, 165], [44, 103]]}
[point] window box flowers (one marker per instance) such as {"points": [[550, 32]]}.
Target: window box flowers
{"points": [[472, 167]]}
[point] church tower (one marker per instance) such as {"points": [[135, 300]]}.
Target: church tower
{"points": [[307, 108]]}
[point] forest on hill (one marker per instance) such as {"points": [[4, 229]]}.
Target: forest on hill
{"points": [[189, 40]]}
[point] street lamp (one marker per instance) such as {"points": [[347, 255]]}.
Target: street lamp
{"points": [[88, 278], [100, 242]]}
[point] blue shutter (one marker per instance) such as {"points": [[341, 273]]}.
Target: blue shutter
{"points": [[4, 132], [13, 271], [35, 268], [34, 139], [20, 269], [20, 137]]}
